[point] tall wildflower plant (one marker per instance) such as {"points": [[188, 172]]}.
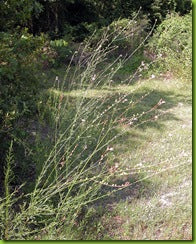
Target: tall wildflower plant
{"points": [[75, 172]]}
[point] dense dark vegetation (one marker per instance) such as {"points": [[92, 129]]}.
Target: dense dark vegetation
{"points": [[74, 19], [38, 36]]}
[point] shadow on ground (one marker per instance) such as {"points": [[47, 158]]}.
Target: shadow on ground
{"points": [[141, 101]]}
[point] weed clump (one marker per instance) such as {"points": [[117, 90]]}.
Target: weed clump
{"points": [[72, 170]]}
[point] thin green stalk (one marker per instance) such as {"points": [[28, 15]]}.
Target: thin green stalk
{"points": [[8, 175]]}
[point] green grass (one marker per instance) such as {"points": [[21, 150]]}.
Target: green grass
{"points": [[159, 206], [109, 158], [107, 155], [156, 151], [130, 143]]}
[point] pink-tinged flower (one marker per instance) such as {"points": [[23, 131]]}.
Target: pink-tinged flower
{"points": [[110, 149]]}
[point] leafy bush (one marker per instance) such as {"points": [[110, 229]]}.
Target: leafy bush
{"points": [[21, 55], [125, 34], [63, 51], [172, 44], [15, 13]]}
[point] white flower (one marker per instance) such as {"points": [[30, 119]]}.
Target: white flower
{"points": [[94, 77], [110, 149]]}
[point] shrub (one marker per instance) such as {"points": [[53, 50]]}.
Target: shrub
{"points": [[126, 34], [21, 55], [63, 52], [172, 44]]}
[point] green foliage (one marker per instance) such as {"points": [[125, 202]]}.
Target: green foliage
{"points": [[183, 6], [8, 178], [160, 9], [72, 169], [63, 51], [21, 55], [172, 43], [154, 9], [60, 18], [125, 34], [73, 17], [15, 13], [67, 150]]}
